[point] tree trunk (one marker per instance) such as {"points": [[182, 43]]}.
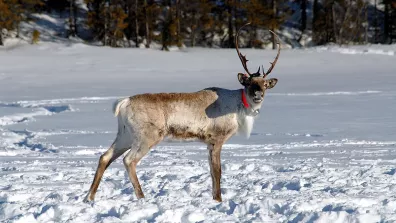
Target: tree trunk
{"points": [[136, 24], [386, 22], [341, 37], [375, 21], [392, 24], [166, 35], [193, 29], [252, 39], [18, 29], [148, 36], [178, 18], [72, 32], [334, 24], [75, 18], [106, 28], [230, 27], [367, 26], [236, 5], [210, 40], [273, 28], [303, 17], [314, 21]]}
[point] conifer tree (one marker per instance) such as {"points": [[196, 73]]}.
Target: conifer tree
{"points": [[389, 21], [137, 13], [230, 6], [151, 15], [96, 18], [13, 12], [265, 15], [6, 17], [169, 25], [199, 20], [147, 16], [315, 16], [259, 16], [72, 18], [303, 20], [117, 24]]}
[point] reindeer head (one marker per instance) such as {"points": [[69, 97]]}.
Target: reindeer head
{"points": [[254, 83]]}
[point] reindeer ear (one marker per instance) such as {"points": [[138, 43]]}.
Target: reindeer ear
{"points": [[270, 83], [243, 79]]}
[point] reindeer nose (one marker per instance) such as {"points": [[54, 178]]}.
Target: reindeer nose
{"points": [[258, 94]]}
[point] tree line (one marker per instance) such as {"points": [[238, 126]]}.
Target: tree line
{"points": [[180, 22], [213, 23], [13, 12]]}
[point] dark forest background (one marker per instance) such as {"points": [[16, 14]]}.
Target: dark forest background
{"points": [[206, 23]]}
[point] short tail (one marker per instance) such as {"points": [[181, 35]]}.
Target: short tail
{"points": [[119, 104]]}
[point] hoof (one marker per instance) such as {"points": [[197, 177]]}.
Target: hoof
{"points": [[140, 196], [218, 199], [88, 200]]}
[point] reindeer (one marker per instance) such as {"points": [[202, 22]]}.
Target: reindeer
{"points": [[211, 115]]}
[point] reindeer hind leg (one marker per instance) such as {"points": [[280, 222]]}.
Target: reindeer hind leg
{"points": [[138, 150], [131, 160], [115, 150]]}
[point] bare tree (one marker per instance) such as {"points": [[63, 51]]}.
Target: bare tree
{"points": [[136, 23], [303, 25], [273, 2], [178, 19], [72, 18], [230, 16], [146, 17]]}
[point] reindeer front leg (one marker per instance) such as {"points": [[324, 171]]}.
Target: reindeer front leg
{"points": [[215, 169]]}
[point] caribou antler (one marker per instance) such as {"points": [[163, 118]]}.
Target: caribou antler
{"points": [[242, 57], [276, 58], [244, 60]]}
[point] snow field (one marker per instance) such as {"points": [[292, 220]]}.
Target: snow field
{"points": [[322, 150]]}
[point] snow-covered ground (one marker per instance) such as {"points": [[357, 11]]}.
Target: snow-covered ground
{"points": [[322, 150]]}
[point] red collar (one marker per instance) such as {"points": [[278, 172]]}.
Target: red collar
{"points": [[244, 100]]}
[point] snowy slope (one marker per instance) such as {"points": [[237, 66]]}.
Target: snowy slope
{"points": [[322, 150]]}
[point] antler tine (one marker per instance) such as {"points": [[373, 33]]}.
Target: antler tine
{"points": [[241, 57], [276, 58]]}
